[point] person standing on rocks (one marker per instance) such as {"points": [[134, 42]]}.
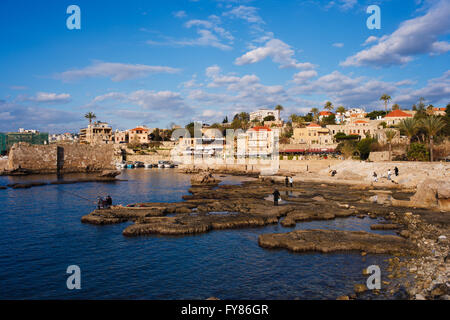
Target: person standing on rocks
{"points": [[396, 171], [291, 181], [286, 181], [276, 197], [108, 201], [389, 175], [375, 177]]}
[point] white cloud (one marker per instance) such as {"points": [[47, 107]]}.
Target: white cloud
{"points": [[47, 97], [413, 37], [436, 91], [370, 40], [250, 14], [211, 34], [115, 71], [275, 49], [338, 45], [303, 76], [180, 14]]}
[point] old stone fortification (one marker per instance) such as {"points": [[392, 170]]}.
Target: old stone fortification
{"points": [[66, 157]]}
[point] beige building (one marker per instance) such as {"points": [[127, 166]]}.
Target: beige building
{"points": [[313, 136], [260, 141], [363, 127], [96, 133], [395, 117]]}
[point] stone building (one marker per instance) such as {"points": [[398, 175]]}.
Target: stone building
{"points": [[96, 133], [262, 113], [395, 117], [313, 135]]}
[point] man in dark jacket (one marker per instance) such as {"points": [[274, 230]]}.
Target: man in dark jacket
{"points": [[276, 197]]}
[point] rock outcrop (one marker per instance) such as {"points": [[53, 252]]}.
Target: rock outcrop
{"points": [[204, 179], [326, 241], [430, 194]]}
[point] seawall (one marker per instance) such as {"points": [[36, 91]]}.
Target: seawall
{"points": [[63, 158]]}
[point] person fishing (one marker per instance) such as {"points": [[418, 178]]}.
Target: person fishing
{"points": [[276, 197], [108, 201], [99, 203]]}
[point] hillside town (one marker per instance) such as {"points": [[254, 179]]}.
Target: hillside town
{"points": [[420, 133]]}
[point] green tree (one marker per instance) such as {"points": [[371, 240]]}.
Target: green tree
{"points": [[279, 108], [331, 119], [390, 135], [90, 116], [432, 126], [341, 109], [410, 127], [386, 98], [418, 152], [269, 118], [315, 113], [395, 107], [328, 106], [225, 120], [364, 147]]}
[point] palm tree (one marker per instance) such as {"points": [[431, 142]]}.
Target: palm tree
{"points": [[386, 98], [315, 112], [341, 109], [395, 107], [328, 106], [432, 126], [279, 108], [90, 116], [390, 135], [410, 127]]}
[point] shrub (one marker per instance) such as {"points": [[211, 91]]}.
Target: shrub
{"points": [[364, 147], [418, 152]]}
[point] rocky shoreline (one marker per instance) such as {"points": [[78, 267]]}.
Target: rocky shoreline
{"points": [[421, 241]]}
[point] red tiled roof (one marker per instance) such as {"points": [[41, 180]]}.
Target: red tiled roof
{"points": [[314, 125], [398, 113], [139, 128], [261, 128], [325, 113], [360, 121], [439, 109]]}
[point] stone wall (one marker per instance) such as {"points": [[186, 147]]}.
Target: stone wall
{"points": [[68, 157], [379, 156]]}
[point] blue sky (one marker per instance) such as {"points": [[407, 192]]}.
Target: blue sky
{"points": [[155, 63]]}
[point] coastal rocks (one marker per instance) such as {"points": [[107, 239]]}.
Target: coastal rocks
{"points": [[192, 224], [360, 288], [326, 241], [203, 179], [431, 193], [384, 226], [109, 174], [309, 214]]}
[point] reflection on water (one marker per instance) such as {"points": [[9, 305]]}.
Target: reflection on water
{"points": [[41, 234]]}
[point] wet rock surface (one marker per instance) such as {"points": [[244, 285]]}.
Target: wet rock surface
{"points": [[422, 239], [335, 240]]}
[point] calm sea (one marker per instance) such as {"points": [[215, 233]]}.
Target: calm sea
{"points": [[41, 235]]}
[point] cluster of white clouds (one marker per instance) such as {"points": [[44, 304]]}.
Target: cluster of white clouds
{"points": [[218, 93], [414, 37]]}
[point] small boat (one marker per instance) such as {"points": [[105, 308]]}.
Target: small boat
{"points": [[161, 164], [139, 164], [130, 166], [149, 165]]}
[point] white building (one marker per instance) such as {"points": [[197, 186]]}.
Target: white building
{"points": [[262, 113]]}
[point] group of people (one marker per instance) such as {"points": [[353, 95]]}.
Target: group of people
{"points": [[389, 175], [104, 203], [289, 181]]}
